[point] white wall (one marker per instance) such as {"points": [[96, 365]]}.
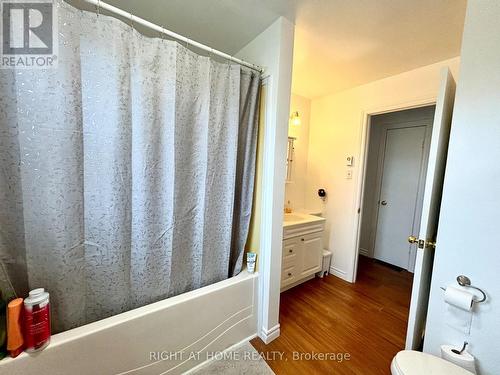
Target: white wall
{"points": [[273, 50], [295, 191], [467, 240], [336, 131]]}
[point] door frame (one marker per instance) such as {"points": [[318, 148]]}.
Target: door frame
{"points": [[363, 152], [410, 266]]}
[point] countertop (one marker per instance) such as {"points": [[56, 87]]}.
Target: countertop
{"points": [[298, 218]]}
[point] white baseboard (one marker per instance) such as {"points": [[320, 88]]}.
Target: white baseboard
{"points": [[269, 335], [339, 273], [364, 252]]}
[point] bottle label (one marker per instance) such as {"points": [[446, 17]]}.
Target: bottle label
{"points": [[37, 325]]}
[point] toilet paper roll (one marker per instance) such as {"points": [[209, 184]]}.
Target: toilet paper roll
{"points": [[464, 360], [458, 298]]}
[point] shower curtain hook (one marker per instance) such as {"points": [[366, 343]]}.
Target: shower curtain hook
{"points": [[162, 34], [131, 19], [229, 61], [229, 65], [98, 6], [186, 40]]}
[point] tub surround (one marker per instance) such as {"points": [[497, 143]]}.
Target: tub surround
{"points": [[167, 337]]}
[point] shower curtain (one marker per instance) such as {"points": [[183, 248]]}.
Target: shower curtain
{"points": [[126, 172]]}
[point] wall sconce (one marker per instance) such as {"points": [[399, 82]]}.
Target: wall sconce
{"points": [[295, 118]]}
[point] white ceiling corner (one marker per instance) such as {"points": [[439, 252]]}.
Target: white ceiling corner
{"points": [[339, 44]]}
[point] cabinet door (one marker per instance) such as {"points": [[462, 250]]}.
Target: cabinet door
{"points": [[312, 253]]}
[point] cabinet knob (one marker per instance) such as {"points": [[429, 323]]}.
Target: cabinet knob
{"points": [[289, 274], [290, 251], [302, 239]]}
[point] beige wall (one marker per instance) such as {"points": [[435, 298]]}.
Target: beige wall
{"points": [[295, 191], [335, 132]]}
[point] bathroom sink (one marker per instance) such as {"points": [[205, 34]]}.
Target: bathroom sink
{"points": [[300, 218], [292, 217]]}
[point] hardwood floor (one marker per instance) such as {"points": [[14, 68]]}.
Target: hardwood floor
{"points": [[366, 320]]}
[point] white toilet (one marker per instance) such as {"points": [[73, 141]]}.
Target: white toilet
{"points": [[410, 362]]}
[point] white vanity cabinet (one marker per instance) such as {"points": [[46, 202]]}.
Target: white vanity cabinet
{"points": [[302, 248]]}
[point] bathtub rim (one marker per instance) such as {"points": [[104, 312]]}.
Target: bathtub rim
{"points": [[118, 319]]}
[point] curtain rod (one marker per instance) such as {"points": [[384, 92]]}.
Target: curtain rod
{"points": [[120, 12]]}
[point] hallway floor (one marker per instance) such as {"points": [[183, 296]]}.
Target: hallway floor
{"points": [[362, 324]]}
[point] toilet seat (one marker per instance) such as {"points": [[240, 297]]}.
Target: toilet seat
{"points": [[410, 362]]}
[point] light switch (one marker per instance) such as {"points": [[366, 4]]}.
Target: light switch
{"points": [[349, 160], [348, 174]]}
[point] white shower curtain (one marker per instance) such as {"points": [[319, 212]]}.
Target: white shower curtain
{"points": [[123, 170]]}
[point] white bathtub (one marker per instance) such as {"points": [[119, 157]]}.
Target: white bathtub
{"points": [[167, 337]]}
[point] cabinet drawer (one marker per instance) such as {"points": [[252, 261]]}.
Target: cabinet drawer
{"points": [[290, 252], [290, 249], [288, 276], [289, 261]]}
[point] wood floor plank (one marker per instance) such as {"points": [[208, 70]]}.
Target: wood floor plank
{"points": [[367, 320]]}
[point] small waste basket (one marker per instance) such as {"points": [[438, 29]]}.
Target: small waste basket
{"points": [[327, 258]]}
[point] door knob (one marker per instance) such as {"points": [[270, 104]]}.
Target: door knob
{"points": [[429, 244], [412, 239], [383, 203]]}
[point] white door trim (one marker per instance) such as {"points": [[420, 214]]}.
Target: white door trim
{"points": [[363, 152], [267, 334], [271, 226]]}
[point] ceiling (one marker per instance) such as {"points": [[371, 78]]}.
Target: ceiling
{"points": [[339, 44]]}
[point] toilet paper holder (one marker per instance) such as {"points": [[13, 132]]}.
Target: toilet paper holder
{"points": [[464, 281]]}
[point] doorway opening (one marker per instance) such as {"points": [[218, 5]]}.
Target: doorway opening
{"points": [[398, 148], [396, 166], [387, 303]]}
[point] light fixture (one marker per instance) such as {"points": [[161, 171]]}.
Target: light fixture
{"points": [[295, 117]]}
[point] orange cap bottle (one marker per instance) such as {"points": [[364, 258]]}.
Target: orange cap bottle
{"points": [[15, 340]]}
